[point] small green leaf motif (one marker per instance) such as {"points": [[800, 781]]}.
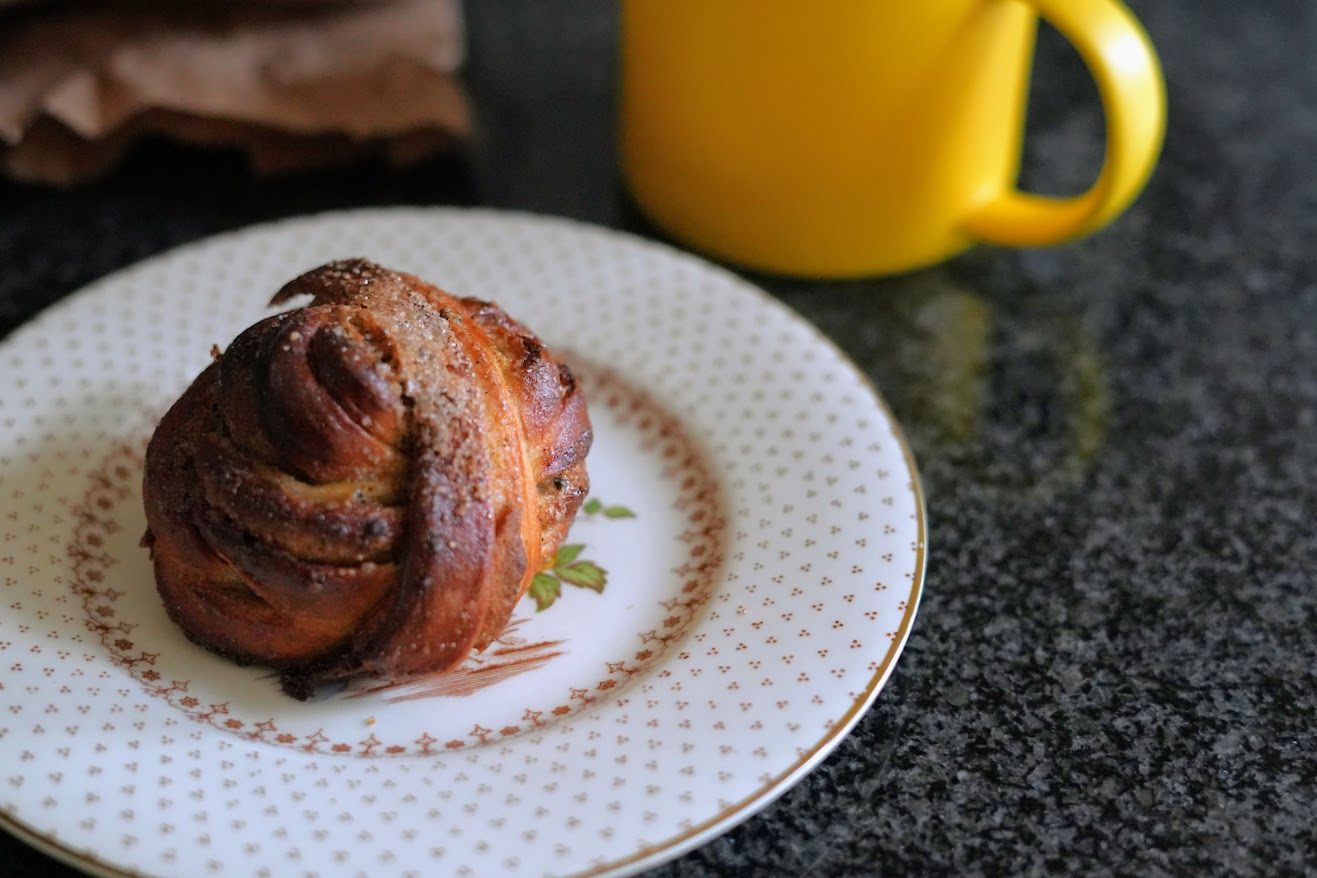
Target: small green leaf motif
{"points": [[586, 574], [545, 590], [567, 554], [567, 566]]}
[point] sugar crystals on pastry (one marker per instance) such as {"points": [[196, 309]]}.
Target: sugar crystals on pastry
{"points": [[366, 485]]}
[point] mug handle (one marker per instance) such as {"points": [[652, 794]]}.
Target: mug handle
{"points": [[1122, 60]]}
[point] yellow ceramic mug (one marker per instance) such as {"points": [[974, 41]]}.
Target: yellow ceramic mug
{"points": [[850, 137]]}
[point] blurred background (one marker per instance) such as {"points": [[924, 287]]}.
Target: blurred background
{"points": [[1114, 668]]}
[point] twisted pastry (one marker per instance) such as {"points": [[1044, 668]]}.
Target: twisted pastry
{"points": [[366, 485]]}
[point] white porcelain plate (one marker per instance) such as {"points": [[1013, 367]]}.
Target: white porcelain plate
{"points": [[757, 597]]}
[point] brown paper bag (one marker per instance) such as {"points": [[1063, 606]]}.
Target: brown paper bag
{"points": [[293, 85]]}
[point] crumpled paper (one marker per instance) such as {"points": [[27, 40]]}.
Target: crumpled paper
{"points": [[293, 85]]}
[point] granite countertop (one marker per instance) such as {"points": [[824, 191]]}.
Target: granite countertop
{"points": [[1114, 669]]}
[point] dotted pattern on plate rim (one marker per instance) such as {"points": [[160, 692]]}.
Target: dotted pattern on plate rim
{"points": [[822, 558]]}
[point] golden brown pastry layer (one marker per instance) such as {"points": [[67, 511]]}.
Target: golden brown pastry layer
{"points": [[366, 485]]}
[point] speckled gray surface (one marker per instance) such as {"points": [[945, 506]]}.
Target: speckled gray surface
{"points": [[1115, 667]]}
